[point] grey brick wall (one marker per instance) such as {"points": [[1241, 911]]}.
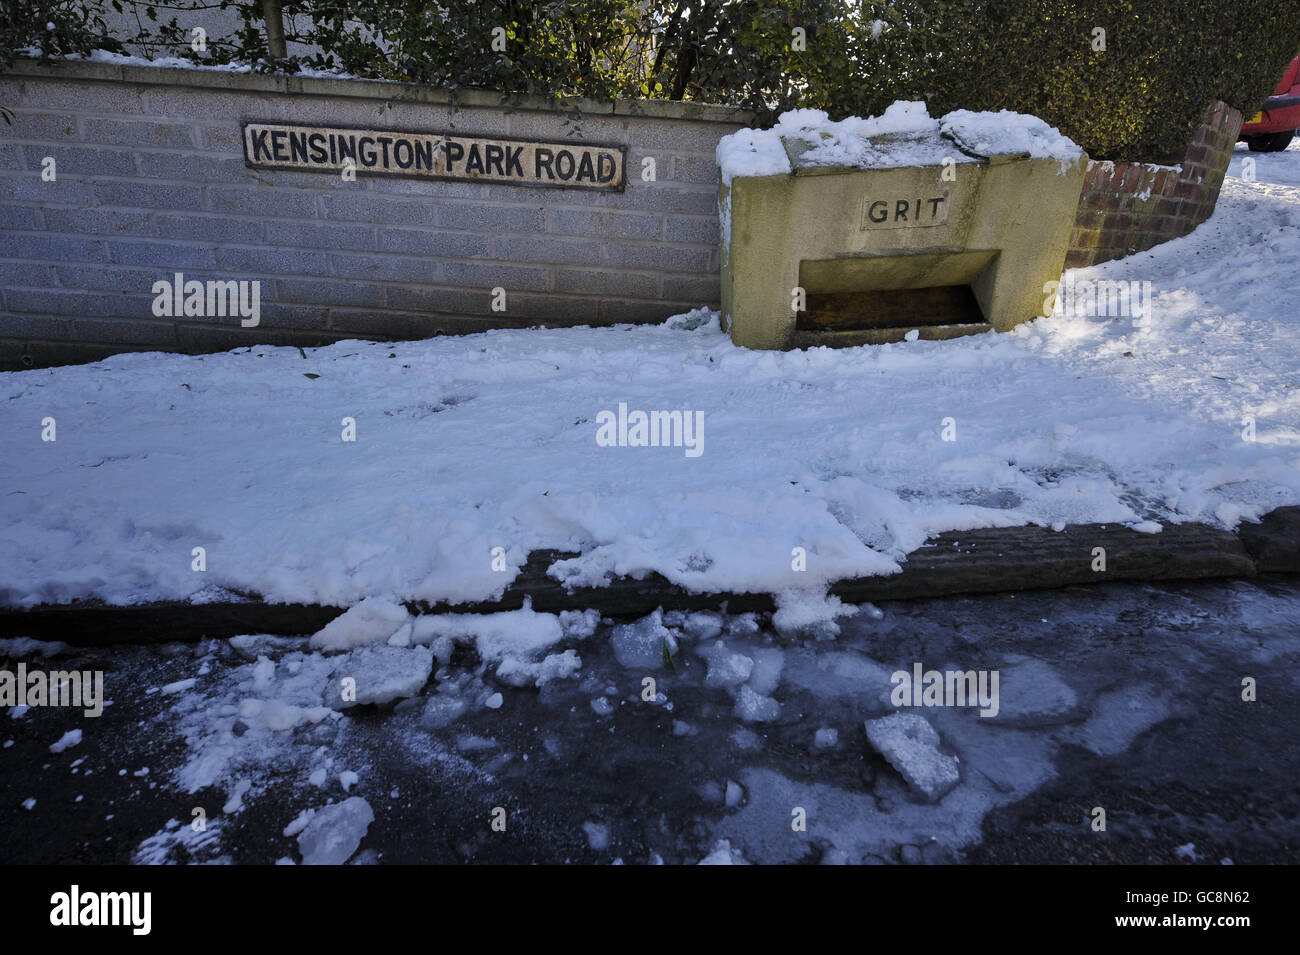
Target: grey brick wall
{"points": [[151, 181]]}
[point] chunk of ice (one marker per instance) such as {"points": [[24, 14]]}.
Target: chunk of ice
{"points": [[910, 744], [335, 832]]}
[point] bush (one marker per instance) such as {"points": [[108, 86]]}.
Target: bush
{"points": [[55, 28], [1138, 99], [557, 47]]}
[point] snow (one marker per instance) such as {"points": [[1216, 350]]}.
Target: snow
{"points": [[768, 664], [66, 741], [642, 645], [182, 63], [750, 152], [198, 844], [723, 854], [809, 612], [869, 489], [278, 716], [597, 835], [754, 707], [236, 801], [372, 620], [826, 738], [442, 711], [335, 832], [735, 793], [251, 646], [382, 674], [1005, 131], [263, 673], [904, 135], [514, 640], [470, 743], [702, 625], [579, 624], [299, 822], [160, 62], [1066, 420], [553, 666], [726, 668], [244, 722], [18, 647], [910, 744], [253, 715]]}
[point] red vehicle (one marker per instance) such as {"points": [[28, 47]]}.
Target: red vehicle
{"points": [[1270, 130]]}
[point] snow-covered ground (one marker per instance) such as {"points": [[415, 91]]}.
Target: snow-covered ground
{"points": [[463, 445], [398, 737]]}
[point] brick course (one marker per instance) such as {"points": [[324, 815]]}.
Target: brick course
{"points": [[1130, 207]]}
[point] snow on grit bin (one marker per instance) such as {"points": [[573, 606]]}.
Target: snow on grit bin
{"points": [[860, 231]]}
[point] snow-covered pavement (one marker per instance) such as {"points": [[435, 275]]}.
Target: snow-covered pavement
{"points": [[464, 445]]}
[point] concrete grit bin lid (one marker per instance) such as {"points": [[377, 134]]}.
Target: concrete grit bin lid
{"points": [[860, 231]]}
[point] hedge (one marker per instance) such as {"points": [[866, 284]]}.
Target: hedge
{"points": [[1138, 99], [1135, 96]]}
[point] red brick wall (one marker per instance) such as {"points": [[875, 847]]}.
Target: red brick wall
{"points": [[1128, 207]]}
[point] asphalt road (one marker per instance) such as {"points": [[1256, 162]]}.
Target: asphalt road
{"points": [[1122, 697]]}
